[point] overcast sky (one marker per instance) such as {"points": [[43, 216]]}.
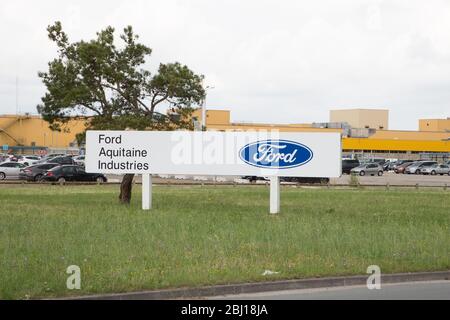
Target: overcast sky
{"points": [[285, 61]]}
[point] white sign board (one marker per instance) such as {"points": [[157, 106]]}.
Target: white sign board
{"points": [[250, 153]]}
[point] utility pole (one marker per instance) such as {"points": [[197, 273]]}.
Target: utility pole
{"points": [[17, 95]]}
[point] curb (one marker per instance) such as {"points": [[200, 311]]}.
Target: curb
{"points": [[189, 293]]}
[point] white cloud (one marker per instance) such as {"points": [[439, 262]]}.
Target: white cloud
{"points": [[272, 61]]}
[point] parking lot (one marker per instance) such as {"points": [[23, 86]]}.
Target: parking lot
{"points": [[390, 178], [14, 171], [397, 180]]}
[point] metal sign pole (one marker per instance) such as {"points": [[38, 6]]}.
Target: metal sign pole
{"points": [[274, 195], [146, 191]]}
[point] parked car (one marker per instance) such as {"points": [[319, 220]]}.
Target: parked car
{"points": [[369, 169], [72, 173], [3, 157], [253, 178], [386, 165], [389, 164], [349, 164], [79, 160], [50, 156], [402, 167], [10, 157], [61, 160], [380, 161], [291, 179], [399, 163], [309, 180], [10, 170], [436, 169], [28, 160], [417, 166], [36, 172]]}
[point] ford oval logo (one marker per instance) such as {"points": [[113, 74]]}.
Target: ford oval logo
{"points": [[275, 154]]}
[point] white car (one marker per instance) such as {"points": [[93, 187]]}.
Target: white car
{"points": [[10, 170], [436, 169], [416, 167], [28, 160]]}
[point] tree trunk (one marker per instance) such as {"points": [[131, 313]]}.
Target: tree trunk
{"points": [[125, 188]]}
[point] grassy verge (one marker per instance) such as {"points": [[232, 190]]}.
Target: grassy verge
{"points": [[209, 235]]}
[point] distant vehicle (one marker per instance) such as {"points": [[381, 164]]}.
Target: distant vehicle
{"points": [[390, 164], [28, 160], [349, 164], [72, 173], [399, 162], [402, 167], [368, 169], [10, 170], [36, 172], [380, 161], [417, 166], [10, 157], [61, 160], [291, 179], [305, 180], [436, 169], [79, 160], [50, 156]]}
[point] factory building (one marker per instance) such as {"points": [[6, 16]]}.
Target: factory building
{"points": [[364, 133]]}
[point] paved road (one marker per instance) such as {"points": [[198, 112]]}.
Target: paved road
{"points": [[429, 290], [390, 177]]}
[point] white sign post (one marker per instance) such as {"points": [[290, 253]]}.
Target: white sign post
{"points": [[146, 191], [274, 195], [271, 154]]}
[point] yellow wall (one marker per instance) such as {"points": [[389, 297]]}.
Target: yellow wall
{"points": [[409, 135], [213, 117], [362, 118], [382, 140], [434, 124], [395, 145], [26, 130]]}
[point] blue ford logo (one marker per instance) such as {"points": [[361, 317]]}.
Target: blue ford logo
{"points": [[275, 154]]}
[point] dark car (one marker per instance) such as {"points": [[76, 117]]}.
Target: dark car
{"points": [[399, 163], [36, 172], [307, 180], [61, 160], [253, 178], [349, 164], [72, 173], [402, 167]]}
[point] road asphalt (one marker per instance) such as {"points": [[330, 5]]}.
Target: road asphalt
{"points": [[426, 290]]}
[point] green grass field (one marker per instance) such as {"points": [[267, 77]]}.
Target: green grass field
{"points": [[211, 235]]}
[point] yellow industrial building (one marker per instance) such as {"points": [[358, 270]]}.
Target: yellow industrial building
{"points": [[30, 133], [363, 131]]}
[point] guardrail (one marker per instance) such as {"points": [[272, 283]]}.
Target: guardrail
{"points": [[229, 183]]}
